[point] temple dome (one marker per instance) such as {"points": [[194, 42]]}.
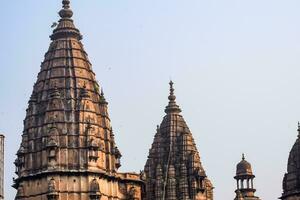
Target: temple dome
{"points": [[245, 177], [244, 168]]}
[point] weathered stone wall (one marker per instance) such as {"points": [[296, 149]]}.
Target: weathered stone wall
{"points": [[78, 187]]}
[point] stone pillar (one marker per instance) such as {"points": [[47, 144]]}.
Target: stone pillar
{"points": [[1, 167]]}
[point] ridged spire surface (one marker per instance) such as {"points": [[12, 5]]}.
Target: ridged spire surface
{"points": [[173, 169], [68, 146]]}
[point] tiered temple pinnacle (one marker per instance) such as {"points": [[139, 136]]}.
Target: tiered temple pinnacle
{"points": [[68, 149], [172, 106], [65, 27], [173, 169]]}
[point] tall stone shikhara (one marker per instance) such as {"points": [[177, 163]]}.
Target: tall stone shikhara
{"points": [[68, 151], [173, 170]]}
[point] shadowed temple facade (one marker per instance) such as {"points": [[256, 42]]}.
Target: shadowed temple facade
{"points": [[68, 150]]}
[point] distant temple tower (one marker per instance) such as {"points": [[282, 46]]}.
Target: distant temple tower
{"points": [[244, 178], [173, 170], [1, 167], [291, 180], [68, 150]]}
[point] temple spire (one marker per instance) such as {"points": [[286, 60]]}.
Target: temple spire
{"points": [[173, 169], [65, 106], [172, 107]]}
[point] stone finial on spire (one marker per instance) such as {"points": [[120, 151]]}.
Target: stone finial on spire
{"points": [[66, 4], [243, 156], [66, 12], [172, 107], [172, 97], [65, 27]]}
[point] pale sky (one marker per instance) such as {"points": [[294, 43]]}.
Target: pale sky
{"points": [[235, 64]]}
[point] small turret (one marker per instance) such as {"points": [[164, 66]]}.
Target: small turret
{"points": [[103, 105], [244, 177]]}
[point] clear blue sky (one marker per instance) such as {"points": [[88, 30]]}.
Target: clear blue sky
{"points": [[235, 64]]}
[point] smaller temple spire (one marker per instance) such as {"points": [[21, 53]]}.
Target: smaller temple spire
{"points": [[172, 107], [102, 97]]}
